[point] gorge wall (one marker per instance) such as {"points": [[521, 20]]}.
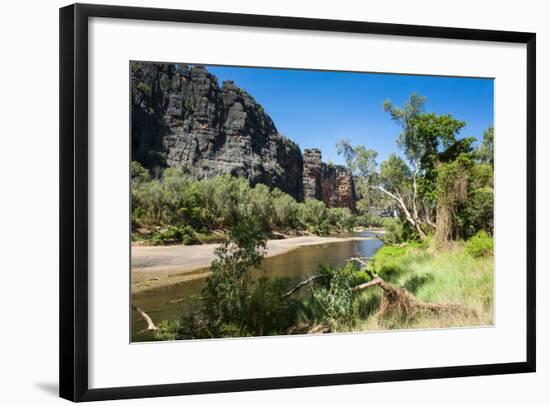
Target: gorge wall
{"points": [[333, 184], [181, 117]]}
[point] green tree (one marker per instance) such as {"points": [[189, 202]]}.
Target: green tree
{"points": [[234, 303], [344, 148], [487, 149], [138, 173], [285, 211], [423, 136], [452, 195], [361, 161], [228, 288], [365, 162]]}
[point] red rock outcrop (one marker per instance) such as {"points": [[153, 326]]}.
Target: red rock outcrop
{"points": [[333, 184]]}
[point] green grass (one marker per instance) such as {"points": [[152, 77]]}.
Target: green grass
{"points": [[445, 275]]}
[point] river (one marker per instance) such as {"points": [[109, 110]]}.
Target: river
{"points": [[170, 302]]}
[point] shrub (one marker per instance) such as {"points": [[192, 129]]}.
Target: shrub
{"points": [[167, 330], [341, 218], [174, 235], [188, 236], [134, 66], [138, 173], [168, 84], [371, 220], [314, 214], [333, 291], [395, 232], [144, 88], [285, 212], [478, 214], [268, 310], [480, 245]]}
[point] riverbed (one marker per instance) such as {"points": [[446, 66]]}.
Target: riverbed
{"points": [[170, 302]]}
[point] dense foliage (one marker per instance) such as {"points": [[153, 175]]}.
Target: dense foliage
{"points": [[176, 208], [480, 245], [444, 186], [238, 299]]}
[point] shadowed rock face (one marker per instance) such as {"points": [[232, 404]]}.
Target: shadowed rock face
{"points": [[333, 184], [182, 118]]}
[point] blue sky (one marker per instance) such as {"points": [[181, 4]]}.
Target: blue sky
{"points": [[315, 109]]}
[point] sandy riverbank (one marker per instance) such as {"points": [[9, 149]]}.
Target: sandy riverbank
{"points": [[154, 267]]}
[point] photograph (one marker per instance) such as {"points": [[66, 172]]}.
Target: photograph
{"points": [[276, 201]]}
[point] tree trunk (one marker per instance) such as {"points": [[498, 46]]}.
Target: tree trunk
{"points": [[410, 218]]}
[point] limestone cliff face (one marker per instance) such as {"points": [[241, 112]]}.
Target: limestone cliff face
{"points": [[181, 117], [333, 184]]}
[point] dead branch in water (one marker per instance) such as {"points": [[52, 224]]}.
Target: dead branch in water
{"points": [[150, 325], [301, 285]]}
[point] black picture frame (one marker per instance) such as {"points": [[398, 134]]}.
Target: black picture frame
{"points": [[74, 195]]}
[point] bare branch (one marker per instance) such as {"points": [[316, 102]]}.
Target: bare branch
{"points": [[363, 261], [429, 222], [301, 285], [150, 325], [391, 244], [374, 282], [388, 193]]}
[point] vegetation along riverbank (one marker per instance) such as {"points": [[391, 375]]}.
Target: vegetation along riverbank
{"points": [[219, 195]]}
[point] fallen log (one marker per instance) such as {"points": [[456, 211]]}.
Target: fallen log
{"points": [[374, 282], [399, 302]]}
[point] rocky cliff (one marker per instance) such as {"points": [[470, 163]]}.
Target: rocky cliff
{"points": [[333, 184], [181, 117]]}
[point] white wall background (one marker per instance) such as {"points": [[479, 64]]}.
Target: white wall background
{"points": [[28, 202]]}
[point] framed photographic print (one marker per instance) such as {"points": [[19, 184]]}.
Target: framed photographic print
{"points": [[253, 202]]}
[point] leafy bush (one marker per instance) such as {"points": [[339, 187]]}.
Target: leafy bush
{"points": [[333, 292], [480, 245], [138, 173], [341, 218], [175, 235], [144, 87], [167, 330], [478, 214], [313, 214], [168, 84], [175, 199], [395, 232], [269, 311], [286, 211], [371, 220], [134, 66]]}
